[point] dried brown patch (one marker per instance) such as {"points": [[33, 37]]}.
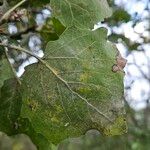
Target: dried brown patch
{"points": [[120, 63]]}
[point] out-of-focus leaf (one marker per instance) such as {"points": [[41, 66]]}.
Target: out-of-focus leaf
{"points": [[131, 45], [111, 3], [10, 104], [51, 30], [3, 7], [1, 52], [38, 3], [119, 16], [83, 13], [17, 142], [74, 89], [92, 140], [4, 29], [5, 70]]}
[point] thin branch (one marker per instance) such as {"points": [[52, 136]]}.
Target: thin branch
{"points": [[6, 15], [140, 70], [58, 77], [12, 68]]}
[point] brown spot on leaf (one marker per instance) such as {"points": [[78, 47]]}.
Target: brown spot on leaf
{"points": [[120, 63]]}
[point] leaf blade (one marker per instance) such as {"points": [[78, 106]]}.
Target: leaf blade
{"points": [[5, 71], [74, 89], [83, 13]]}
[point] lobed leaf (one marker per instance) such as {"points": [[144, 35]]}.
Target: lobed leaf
{"points": [[73, 89], [83, 13]]}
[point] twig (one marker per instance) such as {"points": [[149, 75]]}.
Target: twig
{"points": [[12, 68], [6, 15], [58, 77]]}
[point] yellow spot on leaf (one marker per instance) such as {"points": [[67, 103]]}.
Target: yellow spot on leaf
{"points": [[84, 77], [55, 119], [117, 128], [33, 105]]}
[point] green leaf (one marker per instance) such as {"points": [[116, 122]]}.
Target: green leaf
{"points": [[51, 30], [73, 89], [11, 123], [10, 105], [1, 52], [24, 126], [38, 3], [5, 70], [17, 142], [119, 16], [83, 13], [58, 27]]}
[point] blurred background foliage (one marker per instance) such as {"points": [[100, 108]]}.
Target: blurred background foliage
{"points": [[17, 142], [31, 26]]}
